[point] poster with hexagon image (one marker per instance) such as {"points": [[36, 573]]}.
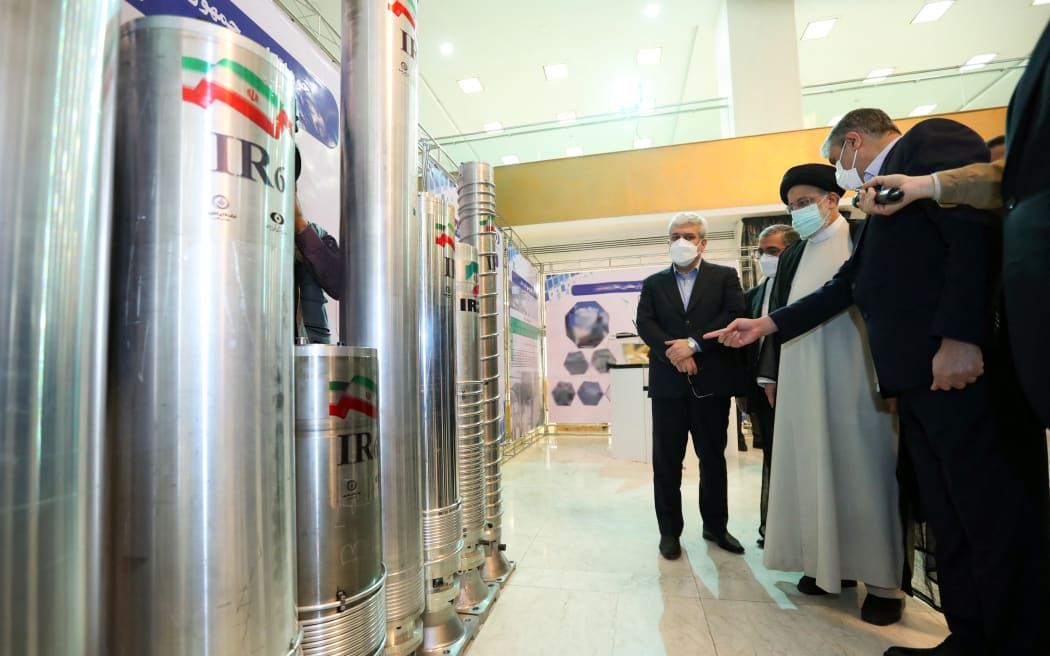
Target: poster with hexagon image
{"points": [[586, 312]]}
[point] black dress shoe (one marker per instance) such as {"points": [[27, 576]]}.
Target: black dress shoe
{"points": [[881, 611], [725, 540], [807, 585], [670, 548], [761, 542]]}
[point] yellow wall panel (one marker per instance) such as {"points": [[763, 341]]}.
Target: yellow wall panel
{"points": [[711, 174]]}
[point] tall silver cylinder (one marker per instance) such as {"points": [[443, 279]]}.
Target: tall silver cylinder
{"points": [[442, 520], [200, 429], [380, 237], [469, 391], [342, 605], [57, 66]]}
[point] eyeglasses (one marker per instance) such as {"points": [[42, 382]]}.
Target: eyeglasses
{"points": [[803, 202]]}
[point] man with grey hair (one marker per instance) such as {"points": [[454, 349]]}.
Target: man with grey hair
{"points": [[924, 280], [691, 380]]}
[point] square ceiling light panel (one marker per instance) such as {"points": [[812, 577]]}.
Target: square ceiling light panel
{"points": [[470, 85], [819, 29], [932, 11], [556, 71]]}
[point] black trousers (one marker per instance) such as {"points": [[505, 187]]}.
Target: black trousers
{"points": [[981, 472], [761, 414], [707, 419]]}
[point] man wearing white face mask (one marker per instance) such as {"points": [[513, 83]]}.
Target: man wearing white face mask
{"points": [[924, 281], [833, 510], [690, 380], [772, 241]]}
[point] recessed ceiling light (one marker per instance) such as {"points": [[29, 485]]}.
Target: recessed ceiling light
{"points": [[652, 10], [510, 159], [643, 143], [922, 110], [556, 71], [932, 11], [835, 120], [446, 49], [818, 29], [978, 61], [574, 151], [494, 126], [470, 85], [649, 56], [567, 117], [878, 75]]}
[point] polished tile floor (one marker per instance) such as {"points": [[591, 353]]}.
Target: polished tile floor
{"points": [[590, 580]]}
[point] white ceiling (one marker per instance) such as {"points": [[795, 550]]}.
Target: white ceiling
{"points": [[505, 43]]}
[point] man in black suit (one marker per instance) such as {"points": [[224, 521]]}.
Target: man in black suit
{"points": [[690, 381], [772, 242], [924, 281]]}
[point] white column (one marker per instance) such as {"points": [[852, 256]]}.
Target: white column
{"points": [[757, 46]]}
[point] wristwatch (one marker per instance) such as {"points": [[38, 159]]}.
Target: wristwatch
{"points": [[693, 344]]}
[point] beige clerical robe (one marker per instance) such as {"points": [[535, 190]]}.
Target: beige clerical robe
{"points": [[833, 510]]}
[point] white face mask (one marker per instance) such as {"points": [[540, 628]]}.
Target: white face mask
{"points": [[808, 221], [682, 252], [847, 178], [768, 264]]}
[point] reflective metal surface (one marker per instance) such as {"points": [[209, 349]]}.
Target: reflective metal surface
{"points": [[56, 120], [341, 581], [380, 237], [202, 559], [442, 520]]}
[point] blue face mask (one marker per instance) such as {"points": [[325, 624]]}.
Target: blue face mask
{"points": [[808, 220]]}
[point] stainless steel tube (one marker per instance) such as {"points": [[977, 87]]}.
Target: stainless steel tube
{"points": [[342, 605], [380, 237], [57, 70], [442, 519], [200, 430]]}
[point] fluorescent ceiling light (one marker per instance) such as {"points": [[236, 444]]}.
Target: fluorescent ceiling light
{"points": [[556, 71], [818, 29], [510, 159], [470, 85], [567, 117], [494, 126], [932, 11], [446, 49], [574, 151], [878, 75], [643, 143], [835, 120], [1040, 2], [979, 61], [652, 10], [922, 110], [649, 56]]}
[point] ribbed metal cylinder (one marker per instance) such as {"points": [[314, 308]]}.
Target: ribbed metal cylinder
{"points": [[57, 72], [382, 247], [340, 569], [469, 395], [490, 334], [202, 559], [442, 520]]}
